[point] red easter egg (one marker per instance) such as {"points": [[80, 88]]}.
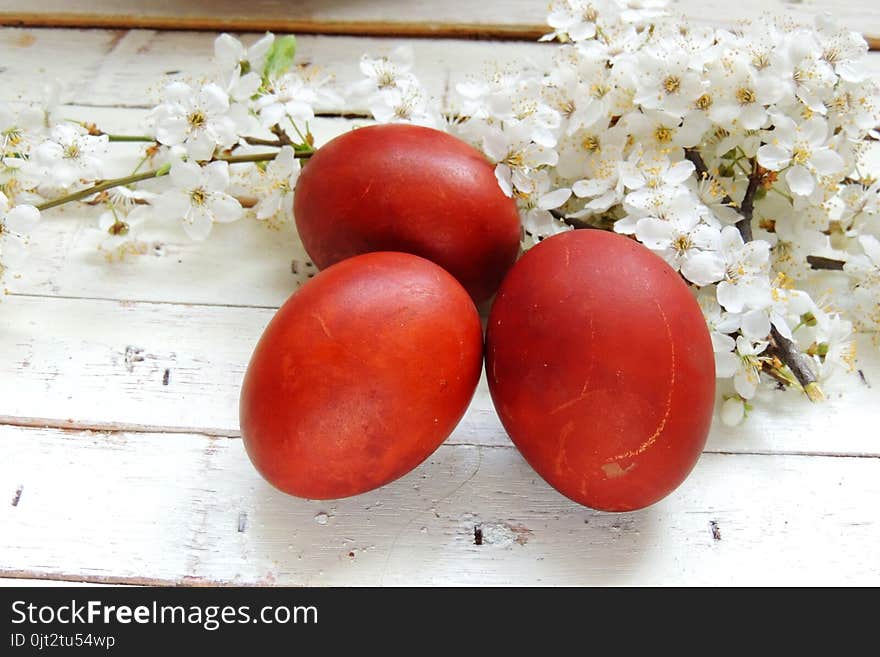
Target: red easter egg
{"points": [[601, 368], [411, 189], [360, 376]]}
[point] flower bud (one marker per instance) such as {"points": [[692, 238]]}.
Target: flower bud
{"points": [[808, 319]]}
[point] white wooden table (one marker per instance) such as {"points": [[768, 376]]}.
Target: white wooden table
{"points": [[120, 460]]}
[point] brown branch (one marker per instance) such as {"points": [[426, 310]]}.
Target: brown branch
{"points": [[256, 141], [783, 348], [830, 264], [574, 222], [703, 171], [747, 207], [788, 352]]}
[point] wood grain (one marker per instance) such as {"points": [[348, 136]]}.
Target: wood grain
{"points": [[104, 366], [64, 260], [129, 69], [156, 345], [190, 509], [493, 19]]}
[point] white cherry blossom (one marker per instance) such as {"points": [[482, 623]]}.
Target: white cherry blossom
{"points": [[745, 285], [198, 197], [69, 155], [15, 225], [744, 365], [19, 131], [802, 150], [198, 119], [740, 95], [231, 54], [536, 199], [386, 72], [513, 150], [275, 185], [686, 244], [576, 20], [733, 411]]}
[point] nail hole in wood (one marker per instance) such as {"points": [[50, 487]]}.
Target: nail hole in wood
{"points": [[716, 531], [478, 535], [242, 522], [166, 377], [17, 497]]}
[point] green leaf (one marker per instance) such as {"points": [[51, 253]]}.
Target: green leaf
{"points": [[280, 57]]}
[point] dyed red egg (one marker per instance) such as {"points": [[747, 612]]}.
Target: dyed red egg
{"points": [[411, 189], [601, 369], [360, 375]]}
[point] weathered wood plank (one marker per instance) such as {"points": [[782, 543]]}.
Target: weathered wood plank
{"points": [[130, 69], [518, 19], [246, 263], [190, 509], [102, 364], [37, 581]]}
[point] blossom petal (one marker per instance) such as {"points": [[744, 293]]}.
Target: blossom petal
{"points": [[626, 225], [185, 175], [246, 86], [815, 130], [268, 206], [179, 92], [800, 180], [753, 117], [216, 176], [502, 175], [746, 383], [228, 50], [773, 157], [257, 52], [679, 172], [588, 188], [171, 130], [224, 208], [827, 162], [284, 165], [703, 268], [722, 343], [755, 324], [733, 411], [21, 219], [272, 113], [174, 203], [554, 199], [213, 100], [730, 297], [726, 364], [197, 223], [871, 246], [654, 233], [200, 146]]}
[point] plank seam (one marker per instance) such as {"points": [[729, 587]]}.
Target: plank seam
{"points": [[388, 29], [153, 302], [213, 434]]}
